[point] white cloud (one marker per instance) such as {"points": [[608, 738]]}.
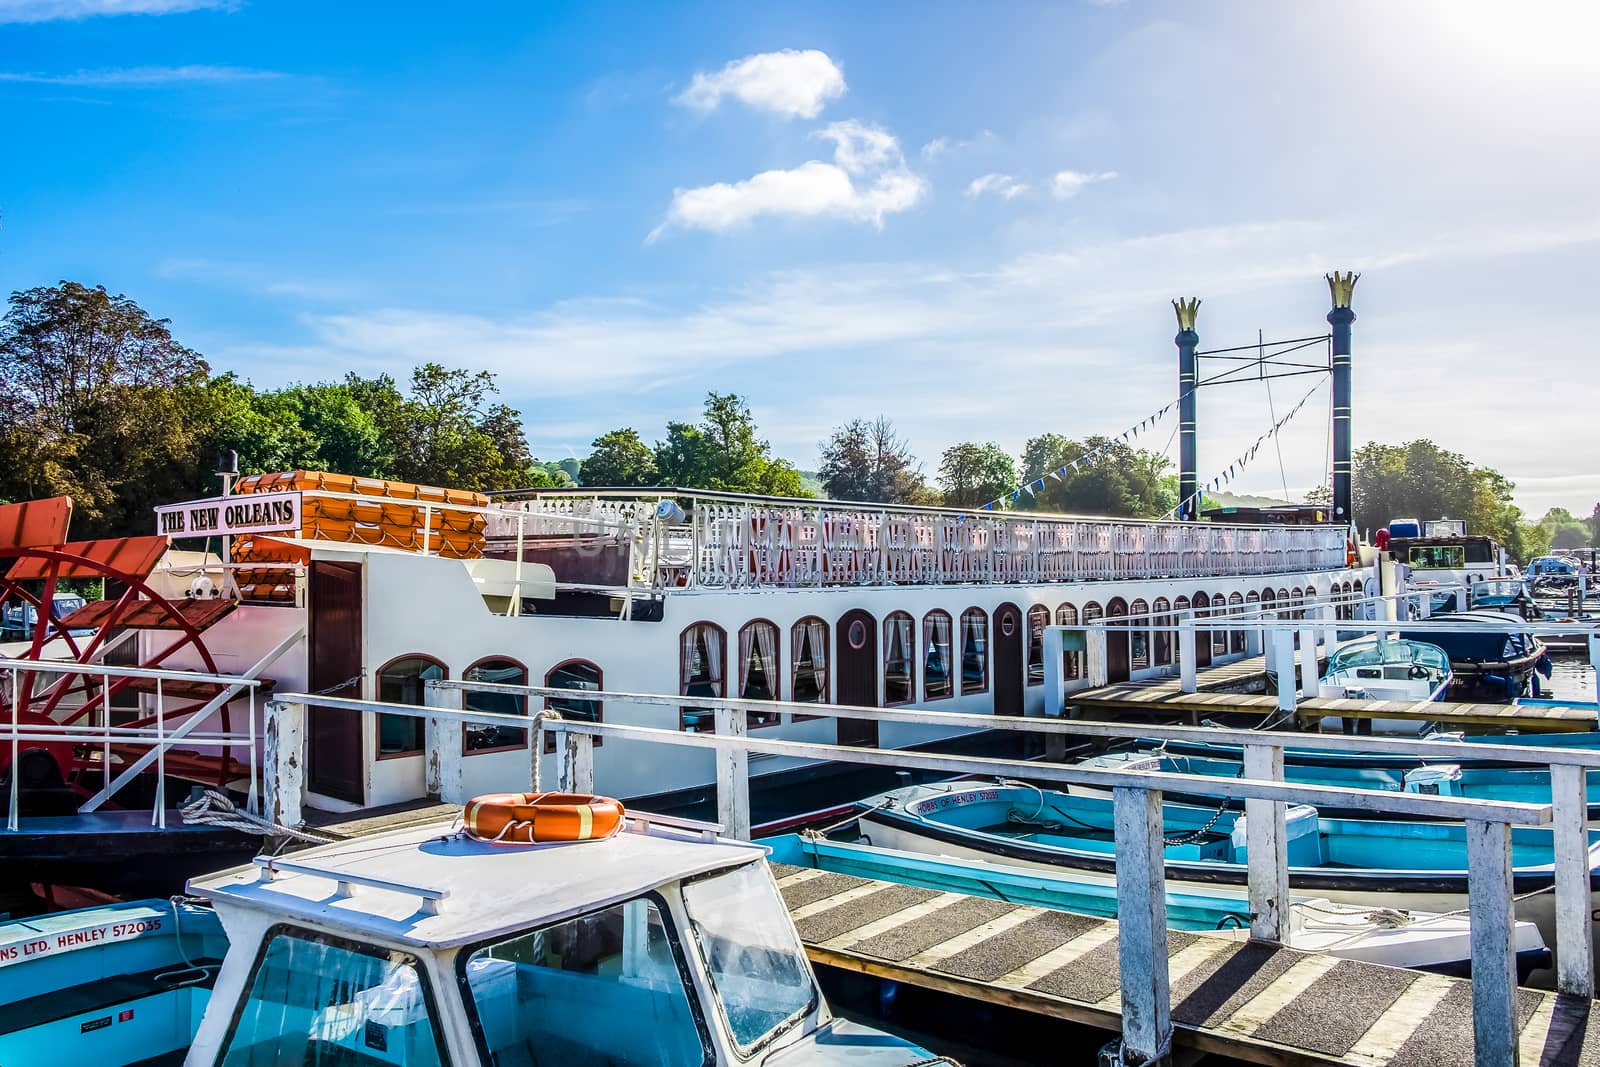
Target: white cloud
{"points": [[935, 148], [143, 77], [792, 83], [1003, 185], [867, 180], [1069, 183], [55, 10]]}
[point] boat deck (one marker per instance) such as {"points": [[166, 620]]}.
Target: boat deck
{"points": [[1249, 1001], [1163, 698]]}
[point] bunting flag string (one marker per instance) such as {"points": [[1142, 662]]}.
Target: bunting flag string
{"points": [[1060, 474], [1238, 465]]}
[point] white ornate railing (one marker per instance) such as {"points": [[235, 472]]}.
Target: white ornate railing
{"points": [[727, 541]]}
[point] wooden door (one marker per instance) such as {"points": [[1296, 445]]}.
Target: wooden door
{"points": [[333, 737], [858, 675], [1008, 640], [1117, 656]]}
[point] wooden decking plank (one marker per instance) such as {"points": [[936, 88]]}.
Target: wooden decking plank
{"points": [[1249, 1000]]}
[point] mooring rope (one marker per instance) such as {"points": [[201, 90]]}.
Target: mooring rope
{"points": [[213, 808]]}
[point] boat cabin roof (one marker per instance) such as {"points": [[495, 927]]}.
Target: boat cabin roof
{"points": [[433, 887]]}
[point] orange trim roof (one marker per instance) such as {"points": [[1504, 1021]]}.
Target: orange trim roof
{"points": [[136, 556], [35, 523]]}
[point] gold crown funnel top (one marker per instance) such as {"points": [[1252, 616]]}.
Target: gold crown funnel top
{"points": [[1342, 287], [1187, 310]]}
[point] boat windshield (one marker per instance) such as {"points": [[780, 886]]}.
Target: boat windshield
{"points": [[757, 966], [602, 990], [1376, 653], [315, 999]]}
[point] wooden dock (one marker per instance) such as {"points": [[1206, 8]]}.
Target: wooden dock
{"points": [[1248, 1001]]}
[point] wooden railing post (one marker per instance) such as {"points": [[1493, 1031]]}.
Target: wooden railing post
{"points": [[1494, 956], [576, 753], [285, 762], [443, 744], [1570, 824], [1142, 926], [733, 775], [1268, 848]]}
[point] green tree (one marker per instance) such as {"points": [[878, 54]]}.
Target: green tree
{"points": [[447, 431], [972, 474], [869, 461], [1116, 479], [1594, 526], [619, 459], [1565, 530], [723, 452], [95, 404], [1423, 481]]}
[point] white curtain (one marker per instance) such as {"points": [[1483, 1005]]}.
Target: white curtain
{"points": [[713, 649], [767, 648], [745, 636], [938, 625], [817, 635], [899, 640], [686, 656]]}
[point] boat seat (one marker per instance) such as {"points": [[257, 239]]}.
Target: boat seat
{"points": [[113, 992]]}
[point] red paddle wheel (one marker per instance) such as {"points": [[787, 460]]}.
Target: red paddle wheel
{"points": [[33, 540]]}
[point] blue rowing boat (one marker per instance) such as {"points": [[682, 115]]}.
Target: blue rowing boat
{"points": [[1419, 940], [1406, 865]]}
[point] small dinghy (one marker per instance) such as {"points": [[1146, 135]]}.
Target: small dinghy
{"points": [[1419, 940], [1478, 779], [1403, 865]]}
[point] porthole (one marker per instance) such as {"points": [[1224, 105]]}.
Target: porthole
{"points": [[857, 635]]}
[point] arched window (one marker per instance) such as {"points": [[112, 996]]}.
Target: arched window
{"points": [[574, 674], [1269, 599], [400, 681], [808, 644], [1299, 596], [937, 682], [1139, 639], [1235, 637], [759, 670], [1161, 639], [1219, 638], [494, 737], [899, 658], [974, 651], [1038, 619], [702, 647], [1072, 659]]}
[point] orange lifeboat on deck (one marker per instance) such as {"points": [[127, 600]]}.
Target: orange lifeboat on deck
{"points": [[539, 818]]}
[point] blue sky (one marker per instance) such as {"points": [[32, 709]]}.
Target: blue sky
{"points": [[967, 217]]}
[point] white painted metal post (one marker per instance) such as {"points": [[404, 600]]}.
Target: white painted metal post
{"points": [[444, 744], [16, 721], [285, 762], [1267, 844], [1283, 659], [1142, 926], [1570, 823], [1055, 692], [1253, 645], [1330, 627], [1095, 652], [1188, 673], [733, 776], [1594, 662], [1310, 669], [577, 761], [1494, 958]]}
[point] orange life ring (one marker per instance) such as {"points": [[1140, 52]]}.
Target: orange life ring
{"points": [[533, 818]]}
